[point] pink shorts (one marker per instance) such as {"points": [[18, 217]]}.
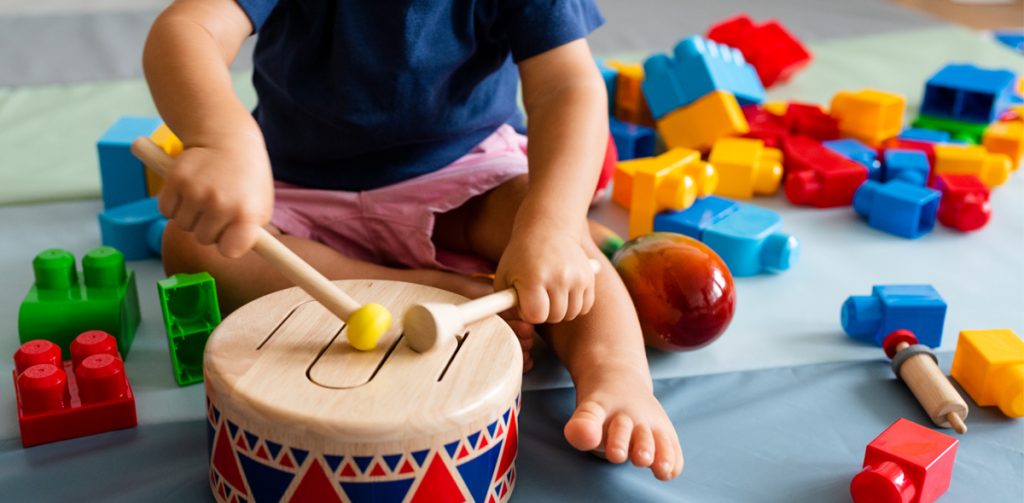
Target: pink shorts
{"points": [[393, 225]]}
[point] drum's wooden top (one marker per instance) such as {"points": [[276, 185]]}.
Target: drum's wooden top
{"points": [[284, 360]]}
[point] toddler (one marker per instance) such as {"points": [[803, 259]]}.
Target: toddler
{"points": [[384, 146]]}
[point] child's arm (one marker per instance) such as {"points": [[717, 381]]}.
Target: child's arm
{"points": [[566, 103], [221, 186]]}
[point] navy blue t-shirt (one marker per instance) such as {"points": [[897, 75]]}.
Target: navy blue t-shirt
{"points": [[359, 94]]}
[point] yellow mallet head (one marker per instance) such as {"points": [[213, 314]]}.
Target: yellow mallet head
{"points": [[366, 325]]}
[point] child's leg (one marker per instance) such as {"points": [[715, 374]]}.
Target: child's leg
{"points": [[248, 277], [604, 351]]}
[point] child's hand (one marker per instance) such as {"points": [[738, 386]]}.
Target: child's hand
{"points": [[550, 272], [222, 192]]}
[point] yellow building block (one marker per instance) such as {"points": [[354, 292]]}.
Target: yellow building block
{"points": [[868, 115], [989, 365], [776, 107], [1006, 138], [991, 169], [699, 124], [745, 167], [630, 103], [671, 181], [172, 145]]}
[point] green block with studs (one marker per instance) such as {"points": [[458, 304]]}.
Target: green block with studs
{"points": [[63, 303], [189, 304], [959, 130]]}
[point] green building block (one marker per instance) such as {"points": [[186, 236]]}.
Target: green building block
{"points": [[959, 130], [61, 305], [189, 304]]}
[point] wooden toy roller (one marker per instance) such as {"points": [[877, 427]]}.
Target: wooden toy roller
{"points": [[366, 323], [916, 365], [426, 324], [296, 414]]}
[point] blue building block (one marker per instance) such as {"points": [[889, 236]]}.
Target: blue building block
{"points": [[897, 207], [917, 308], [693, 220], [857, 151], [1012, 39], [611, 77], [968, 93], [136, 229], [121, 174], [926, 135], [632, 141], [699, 67], [910, 166]]}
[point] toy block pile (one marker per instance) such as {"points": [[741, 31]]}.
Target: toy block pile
{"points": [[130, 220]]}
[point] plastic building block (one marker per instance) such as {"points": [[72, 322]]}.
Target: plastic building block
{"points": [[1012, 39], [868, 115], [704, 121], [121, 174], [964, 204], [63, 302], [989, 365], [929, 135], [908, 165], [699, 67], [671, 181], [1006, 138], [776, 107], [746, 237], [702, 214], [86, 395], [610, 76], [765, 125], [773, 51], [189, 305], [630, 105], [810, 120], [897, 207], [170, 143], [819, 177], [917, 308], [611, 160], [992, 169], [746, 167], [857, 151], [631, 141], [968, 93], [136, 229], [960, 132], [907, 463]]}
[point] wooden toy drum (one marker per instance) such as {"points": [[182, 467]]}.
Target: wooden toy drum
{"points": [[297, 414]]}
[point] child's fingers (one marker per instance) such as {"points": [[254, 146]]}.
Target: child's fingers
{"points": [[534, 304], [588, 301], [575, 304], [237, 239], [209, 229], [188, 215], [559, 299]]}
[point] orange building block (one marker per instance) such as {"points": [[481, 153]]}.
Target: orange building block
{"points": [[630, 104], [172, 145], [1006, 138], [989, 365], [745, 167], [868, 115], [699, 124], [991, 169], [671, 181]]}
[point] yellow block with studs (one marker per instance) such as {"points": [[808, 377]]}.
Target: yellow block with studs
{"points": [[992, 169], [745, 167], [671, 181], [989, 365], [868, 115], [699, 124], [1006, 138]]}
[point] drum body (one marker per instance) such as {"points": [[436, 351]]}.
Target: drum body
{"points": [[296, 414]]}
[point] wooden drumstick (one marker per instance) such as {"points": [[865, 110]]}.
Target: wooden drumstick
{"points": [[424, 324], [916, 365], [365, 323]]}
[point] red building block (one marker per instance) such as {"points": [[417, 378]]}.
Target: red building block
{"points": [[810, 120], [907, 463], [58, 400], [611, 159], [817, 176], [773, 51], [765, 126], [964, 205], [904, 144]]}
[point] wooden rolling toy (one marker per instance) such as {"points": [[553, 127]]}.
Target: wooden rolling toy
{"points": [[917, 366], [366, 323], [428, 323], [296, 414]]}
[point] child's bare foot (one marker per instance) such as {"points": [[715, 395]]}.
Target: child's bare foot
{"points": [[617, 413]]}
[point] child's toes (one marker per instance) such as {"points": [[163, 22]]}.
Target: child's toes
{"points": [[616, 442], [664, 457], [642, 446], [583, 431]]}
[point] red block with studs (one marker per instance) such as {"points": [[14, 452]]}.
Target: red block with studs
{"points": [[61, 399], [773, 51], [964, 205], [806, 119], [817, 176], [765, 126], [907, 463]]}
